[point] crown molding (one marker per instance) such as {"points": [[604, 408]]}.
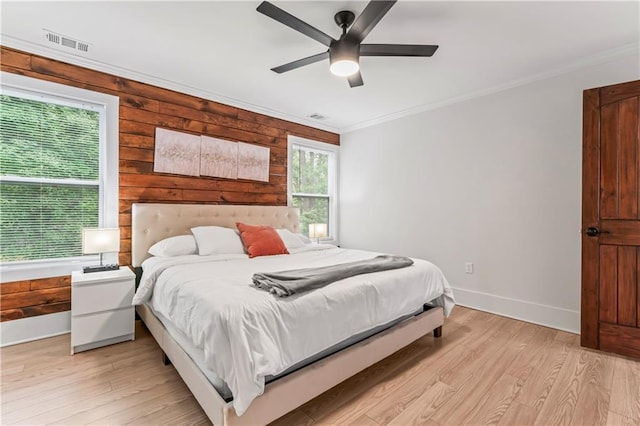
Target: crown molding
{"points": [[599, 58], [74, 59], [35, 48]]}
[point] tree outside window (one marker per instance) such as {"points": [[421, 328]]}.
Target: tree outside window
{"points": [[312, 177], [49, 177]]}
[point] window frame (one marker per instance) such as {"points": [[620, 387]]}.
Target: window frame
{"points": [[107, 105], [333, 179]]}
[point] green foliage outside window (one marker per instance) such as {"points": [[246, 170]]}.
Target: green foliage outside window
{"points": [[310, 186], [42, 141]]}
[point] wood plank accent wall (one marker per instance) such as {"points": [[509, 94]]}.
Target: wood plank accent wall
{"points": [[21, 299], [144, 107]]}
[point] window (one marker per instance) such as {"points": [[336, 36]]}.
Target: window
{"points": [[57, 174], [313, 182]]}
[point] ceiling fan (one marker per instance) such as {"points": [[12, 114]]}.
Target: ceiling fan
{"points": [[344, 54]]}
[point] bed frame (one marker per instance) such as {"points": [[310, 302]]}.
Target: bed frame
{"points": [[154, 222]]}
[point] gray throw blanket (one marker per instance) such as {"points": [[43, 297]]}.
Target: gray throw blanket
{"points": [[286, 283]]}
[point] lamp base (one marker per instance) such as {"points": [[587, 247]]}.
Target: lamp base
{"points": [[100, 268]]}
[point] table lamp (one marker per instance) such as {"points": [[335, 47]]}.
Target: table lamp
{"points": [[99, 241], [317, 231]]}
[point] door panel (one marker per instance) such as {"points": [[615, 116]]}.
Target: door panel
{"points": [[608, 292], [627, 283], [620, 232], [609, 162], [620, 339], [611, 211], [638, 288], [628, 159]]}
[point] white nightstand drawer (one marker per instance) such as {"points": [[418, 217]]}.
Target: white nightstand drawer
{"points": [[90, 298], [101, 311], [104, 325]]}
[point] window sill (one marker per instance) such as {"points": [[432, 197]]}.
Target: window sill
{"points": [[326, 241], [21, 271]]}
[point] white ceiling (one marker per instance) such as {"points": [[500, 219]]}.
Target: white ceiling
{"points": [[224, 50]]}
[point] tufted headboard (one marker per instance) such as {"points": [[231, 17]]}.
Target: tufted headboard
{"points": [[151, 223]]}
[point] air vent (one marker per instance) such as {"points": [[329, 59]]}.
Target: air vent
{"points": [[317, 116], [65, 41], [68, 42], [53, 38]]}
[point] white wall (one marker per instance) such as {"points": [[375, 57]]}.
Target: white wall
{"points": [[495, 181]]}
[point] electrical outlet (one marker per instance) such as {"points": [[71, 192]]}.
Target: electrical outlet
{"points": [[468, 268]]}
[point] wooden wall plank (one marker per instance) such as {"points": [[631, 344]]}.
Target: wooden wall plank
{"points": [[139, 102], [32, 311], [173, 181], [134, 166], [291, 128], [136, 154], [627, 269], [41, 284], [74, 74], [609, 162], [137, 141], [15, 59], [608, 284], [144, 107], [136, 128], [35, 297], [628, 159], [221, 120], [15, 287]]}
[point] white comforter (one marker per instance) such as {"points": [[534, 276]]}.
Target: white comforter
{"points": [[247, 333]]}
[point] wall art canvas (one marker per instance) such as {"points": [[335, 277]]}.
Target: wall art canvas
{"points": [[177, 153], [218, 158], [253, 162]]}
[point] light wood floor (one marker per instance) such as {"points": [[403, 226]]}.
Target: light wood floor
{"points": [[485, 370]]}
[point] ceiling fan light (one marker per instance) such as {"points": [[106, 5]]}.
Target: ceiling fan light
{"points": [[344, 67]]}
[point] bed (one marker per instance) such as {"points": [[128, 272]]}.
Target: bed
{"points": [[249, 357]]}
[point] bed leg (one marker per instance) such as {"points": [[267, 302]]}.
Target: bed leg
{"points": [[165, 359], [437, 332]]}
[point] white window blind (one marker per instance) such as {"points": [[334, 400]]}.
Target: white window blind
{"points": [[49, 176]]}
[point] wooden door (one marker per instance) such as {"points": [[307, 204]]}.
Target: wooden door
{"points": [[611, 219]]}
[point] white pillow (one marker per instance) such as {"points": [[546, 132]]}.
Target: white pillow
{"points": [[174, 246], [217, 240], [304, 238], [291, 240]]}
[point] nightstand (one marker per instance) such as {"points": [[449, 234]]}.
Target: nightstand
{"points": [[101, 310]]}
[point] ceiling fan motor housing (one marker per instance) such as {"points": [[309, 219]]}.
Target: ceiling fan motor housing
{"points": [[344, 50]]}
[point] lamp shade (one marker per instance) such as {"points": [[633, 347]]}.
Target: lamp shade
{"points": [[317, 230], [100, 240]]}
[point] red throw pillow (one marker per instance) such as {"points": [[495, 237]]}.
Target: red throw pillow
{"points": [[261, 240]]}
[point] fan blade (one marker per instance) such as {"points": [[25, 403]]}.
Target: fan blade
{"points": [[397, 49], [274, 12], [301, 62], [369, 18], [355, 80]]}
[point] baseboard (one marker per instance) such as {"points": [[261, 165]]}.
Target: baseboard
{"points": [[34, 328], [40, 327], [549, 316]]}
